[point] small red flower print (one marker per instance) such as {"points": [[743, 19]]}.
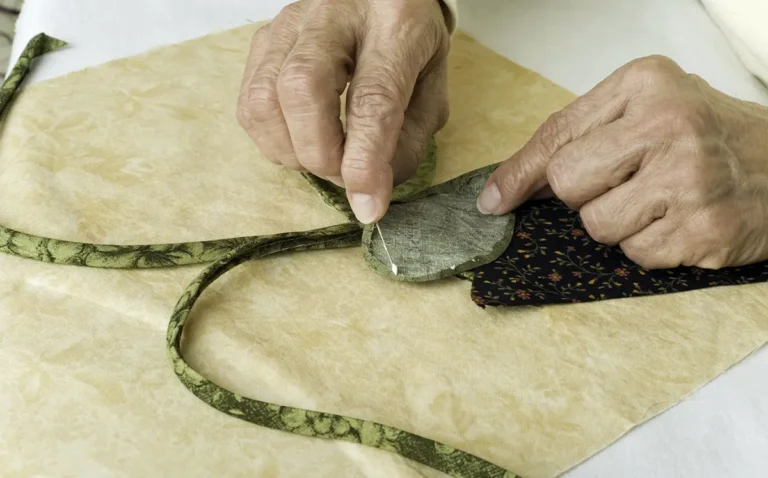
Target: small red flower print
{"points": [[621, 272], [570, 248], [554, 277], [523, 294], [577, 233], [576, 274], [524, 235]]}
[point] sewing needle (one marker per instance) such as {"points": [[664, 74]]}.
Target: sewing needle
{"points": [[394, 267]]}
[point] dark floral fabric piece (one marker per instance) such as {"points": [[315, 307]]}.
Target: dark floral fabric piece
{"points": [[552, 260]]}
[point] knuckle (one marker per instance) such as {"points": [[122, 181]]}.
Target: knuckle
{"points": [[653, 70], [509, 180], [681, 120], [554, 133], [360, 173], [700, 183], [376, 101], [356, 165], [261, 35], [258, 105], [243, 115], [290, 10], [297, 79], [688, 121]]}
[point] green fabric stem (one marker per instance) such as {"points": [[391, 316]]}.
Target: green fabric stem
{"points": [[296, 420], [225, 255]]}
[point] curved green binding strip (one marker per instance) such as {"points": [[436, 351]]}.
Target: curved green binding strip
{"points": [[228, 253], [106, 256], [296, 420], [39, 45]]}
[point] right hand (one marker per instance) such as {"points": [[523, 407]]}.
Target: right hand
{"points": [[393, 55]]}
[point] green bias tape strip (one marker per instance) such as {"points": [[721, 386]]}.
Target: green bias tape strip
{"points": [[225, 255]]}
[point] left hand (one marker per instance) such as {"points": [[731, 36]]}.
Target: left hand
{"points": [[656, 161]]}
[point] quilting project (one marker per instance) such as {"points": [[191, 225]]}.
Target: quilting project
{"points": [[518, 386], [227, 254], [552, 260]]}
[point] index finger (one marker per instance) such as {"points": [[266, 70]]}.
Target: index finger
{"points": [[525, 173], [377, 100], [313, 78]]}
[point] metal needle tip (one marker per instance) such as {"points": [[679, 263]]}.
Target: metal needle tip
{"points": [[393, 265]]}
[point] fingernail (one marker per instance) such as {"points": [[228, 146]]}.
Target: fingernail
{"points": [[337, 180], [364, 207], [489, 199]]}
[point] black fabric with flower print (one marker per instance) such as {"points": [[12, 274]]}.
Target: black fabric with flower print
{"points": [[552, 260]]}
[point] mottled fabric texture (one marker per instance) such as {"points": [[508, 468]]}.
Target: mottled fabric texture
{"points": [[147, 150], [552, 260], [233, 252], [439, 233], [310, 423]]}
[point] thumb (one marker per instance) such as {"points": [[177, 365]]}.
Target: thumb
{"points": [[520, 176]]}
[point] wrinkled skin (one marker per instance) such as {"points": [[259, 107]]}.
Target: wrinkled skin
{"points": [[392, 53], [654, 159]]}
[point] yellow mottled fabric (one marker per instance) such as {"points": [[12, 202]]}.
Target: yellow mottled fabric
{"points": [[147, 149]]}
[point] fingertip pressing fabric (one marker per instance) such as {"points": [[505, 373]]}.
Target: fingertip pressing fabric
{"points": [[336, 196]]}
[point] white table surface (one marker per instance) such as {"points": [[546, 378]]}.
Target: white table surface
{"points": [[722, 429]]}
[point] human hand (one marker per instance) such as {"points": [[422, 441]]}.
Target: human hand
{"points": [[392, 54], [656, 161]]}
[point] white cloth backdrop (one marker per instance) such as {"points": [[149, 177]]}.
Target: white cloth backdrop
{"points": [[721, 430]]}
